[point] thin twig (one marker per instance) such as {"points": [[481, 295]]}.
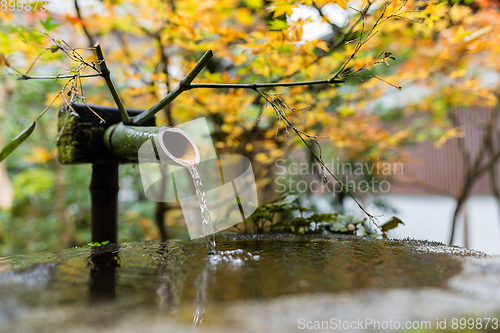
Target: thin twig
{"points": [[106, 74], [38, 56], [56, 77], [361, 41], [282, 118]]}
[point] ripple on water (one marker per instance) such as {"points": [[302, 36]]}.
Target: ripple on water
{"points": [[234, 257]]}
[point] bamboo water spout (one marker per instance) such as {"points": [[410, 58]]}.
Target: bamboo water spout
{"points": [[94, 134], [170, 145]]}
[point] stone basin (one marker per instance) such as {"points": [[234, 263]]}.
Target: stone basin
{"points": [[254, 284]]}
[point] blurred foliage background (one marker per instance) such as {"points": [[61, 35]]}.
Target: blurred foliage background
{"points": [[445, 55]]}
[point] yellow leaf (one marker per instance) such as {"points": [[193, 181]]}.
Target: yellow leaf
{"points": [[458, 73], [52, 96], [39, 155], [322, 45], [341, 3], [346, 111], [451, 133], [244, 16], [255, 4], [262, 157]]}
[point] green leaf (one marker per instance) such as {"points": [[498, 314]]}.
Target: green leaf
{"points": [[16, 142], [278, 25], [96, 244], [300, 208], [266, 216], [299, 221], [47, 24], [322, 217], [286, 200], [391, 224]]}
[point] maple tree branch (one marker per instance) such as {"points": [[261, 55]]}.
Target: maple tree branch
{"points": [[185, 84], [56, 77], [87, 33], [278, 108], [362, 39], [326, 19], [262, 85]]}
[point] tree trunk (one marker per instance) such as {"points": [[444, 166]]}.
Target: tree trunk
{"points": [[461, 200]]}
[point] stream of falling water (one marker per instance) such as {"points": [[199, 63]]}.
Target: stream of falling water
{"points": [[208, 228]]}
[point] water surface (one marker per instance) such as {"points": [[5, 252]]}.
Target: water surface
{"points": [[113, 281]]}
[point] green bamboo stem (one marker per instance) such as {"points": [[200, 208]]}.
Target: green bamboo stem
{"points": [[183, 85], [144, 116], [186, 81], [262, 85], [106, 74], [168, 145], [125, 141]]}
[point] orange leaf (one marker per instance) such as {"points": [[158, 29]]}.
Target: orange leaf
{"points": [[74, 19]]}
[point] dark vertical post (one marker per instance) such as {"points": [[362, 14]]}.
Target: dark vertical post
{"points": [[102, 282], [82, 141], [104, 197]]}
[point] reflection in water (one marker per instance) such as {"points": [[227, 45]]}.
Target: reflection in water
{"points": [[232, 258], [167, 279], [165, 291], [102, 279], [201, 297]]}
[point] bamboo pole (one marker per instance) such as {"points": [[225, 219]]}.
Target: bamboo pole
{"points": [[104, 197]]}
